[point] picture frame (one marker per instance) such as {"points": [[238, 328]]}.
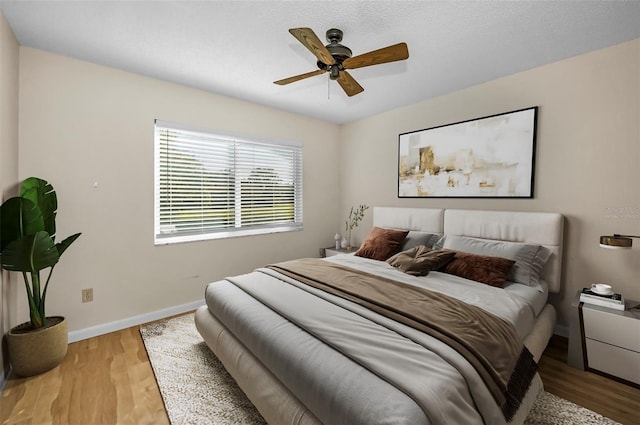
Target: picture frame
{"points": [[486, 157]]}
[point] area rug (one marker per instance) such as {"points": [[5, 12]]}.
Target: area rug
{"points": [[197, 389]]}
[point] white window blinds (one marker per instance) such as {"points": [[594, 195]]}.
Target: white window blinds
{"points": [[213, 186]]}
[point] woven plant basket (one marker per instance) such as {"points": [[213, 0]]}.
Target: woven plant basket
{"points": [[32, 352]]}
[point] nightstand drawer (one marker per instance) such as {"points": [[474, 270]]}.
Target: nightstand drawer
{"points": [[613, 360], [612, 327]]}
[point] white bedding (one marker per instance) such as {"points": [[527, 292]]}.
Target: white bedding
{"points": [[275, 387], [515, 303], [290, 327]]}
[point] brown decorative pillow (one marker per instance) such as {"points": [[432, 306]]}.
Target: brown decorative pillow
{"points": [[381, 243], [481, 268], [419, 260]]}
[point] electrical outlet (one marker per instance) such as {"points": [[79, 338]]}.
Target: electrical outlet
{"points": [[87, 295]]}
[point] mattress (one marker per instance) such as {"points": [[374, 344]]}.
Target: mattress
{"points": [[364, 369]]}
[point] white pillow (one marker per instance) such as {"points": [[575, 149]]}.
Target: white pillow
{"points": [[529, 259]]}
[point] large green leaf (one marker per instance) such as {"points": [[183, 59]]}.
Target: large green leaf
{"points": [[41, 193], [30, 254], [62, 246], [19, 217]]}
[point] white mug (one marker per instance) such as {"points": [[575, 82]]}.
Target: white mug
{"points": [[602, 288]]}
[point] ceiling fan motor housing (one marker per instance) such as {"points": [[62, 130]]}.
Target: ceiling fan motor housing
{"points": [[338, 51]]}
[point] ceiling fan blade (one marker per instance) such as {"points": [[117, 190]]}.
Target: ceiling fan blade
{"points": [[310, 40], [299, 77], [397, 52], [349, 84]]}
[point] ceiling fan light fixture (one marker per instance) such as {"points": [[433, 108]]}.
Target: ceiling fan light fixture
{"points": [[335, 72]]}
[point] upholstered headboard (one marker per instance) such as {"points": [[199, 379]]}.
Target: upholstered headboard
{"points": [[539, 228], [422, 219]]}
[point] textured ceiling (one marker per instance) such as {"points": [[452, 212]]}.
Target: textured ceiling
{"points": [[238, 48]]}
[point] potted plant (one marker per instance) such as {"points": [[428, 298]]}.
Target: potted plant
{"points": [[355, 215], [27, 245]]}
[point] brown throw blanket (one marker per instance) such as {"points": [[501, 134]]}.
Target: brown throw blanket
{"points": [[488, 342]]}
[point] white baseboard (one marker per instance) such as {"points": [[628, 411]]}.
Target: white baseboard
{"points": [[106, 328]]}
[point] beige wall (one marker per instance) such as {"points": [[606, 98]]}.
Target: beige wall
{"points": [[81, 123], [588, 157], [9, 53]]}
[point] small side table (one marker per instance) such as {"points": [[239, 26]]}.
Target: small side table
{"points": [[328, 252], [605, 340]]}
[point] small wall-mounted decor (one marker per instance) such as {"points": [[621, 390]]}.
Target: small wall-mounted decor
{"points": [[490, 157]]}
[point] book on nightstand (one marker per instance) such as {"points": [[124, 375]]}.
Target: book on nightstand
{"points": [[615, 301]]}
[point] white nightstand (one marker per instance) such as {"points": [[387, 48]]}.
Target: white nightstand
{"points": [[611, 340], [328, 252]]}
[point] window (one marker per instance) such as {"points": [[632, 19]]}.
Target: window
{"points": [[210, 186]]}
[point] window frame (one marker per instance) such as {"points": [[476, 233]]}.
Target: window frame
{"points": [[237, 231]]}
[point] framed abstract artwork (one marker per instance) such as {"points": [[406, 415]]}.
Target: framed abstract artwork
{"points": [[488, 157]]}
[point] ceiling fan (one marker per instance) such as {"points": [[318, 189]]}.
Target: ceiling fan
{"points": [[336, 58]]}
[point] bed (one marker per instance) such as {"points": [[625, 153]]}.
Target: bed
{"points": [[305, 355]]}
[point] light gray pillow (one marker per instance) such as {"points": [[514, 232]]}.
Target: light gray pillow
{"points": [[415, 238], [529, 258], [440, 242]]}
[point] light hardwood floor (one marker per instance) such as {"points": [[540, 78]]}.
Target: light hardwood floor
{"points": [[610, 398], [108, 380], [102, 380]]}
